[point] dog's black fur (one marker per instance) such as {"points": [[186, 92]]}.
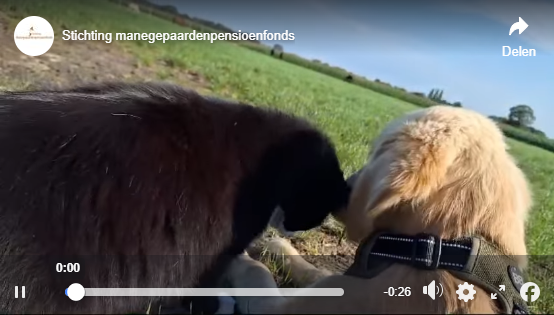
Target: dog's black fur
{"points": [[146, 185]]}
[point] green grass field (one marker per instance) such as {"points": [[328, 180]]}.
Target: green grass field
{"points": [[351, 115]]}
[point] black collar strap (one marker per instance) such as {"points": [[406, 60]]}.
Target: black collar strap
{"points": [[471, 259], [423, 251]]}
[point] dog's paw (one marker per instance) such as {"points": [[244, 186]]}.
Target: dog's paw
{"points": [[280, 246]]}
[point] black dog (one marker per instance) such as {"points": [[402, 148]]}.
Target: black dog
{"points": [[146, 185]]}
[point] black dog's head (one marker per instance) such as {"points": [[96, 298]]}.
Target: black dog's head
{"points": [[312, 182]]}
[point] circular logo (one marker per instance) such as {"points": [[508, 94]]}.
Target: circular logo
{"points": [[33, 36], [530, 292]]}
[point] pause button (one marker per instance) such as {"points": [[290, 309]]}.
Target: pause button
{"points": [[17, 292]]}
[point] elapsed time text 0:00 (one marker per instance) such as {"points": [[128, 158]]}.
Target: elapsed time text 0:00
{"points": [[68, 268]]}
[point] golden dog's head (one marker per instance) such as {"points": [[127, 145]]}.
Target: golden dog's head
{"points": [[441, 170]]}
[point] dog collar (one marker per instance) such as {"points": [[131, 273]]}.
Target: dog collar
{"points": [[471, 259]]}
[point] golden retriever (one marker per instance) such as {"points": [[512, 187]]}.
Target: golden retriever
{"points": [[441, 170]]}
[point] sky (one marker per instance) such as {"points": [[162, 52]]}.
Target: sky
{"points": [[419, 45]]}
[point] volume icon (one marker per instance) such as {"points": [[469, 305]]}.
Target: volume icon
{"points": [[432, 289]]}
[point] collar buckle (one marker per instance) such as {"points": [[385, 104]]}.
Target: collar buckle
{"points": [[426, 251]]}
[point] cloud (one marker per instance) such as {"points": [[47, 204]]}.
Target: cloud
{"points": [[539, 16]]}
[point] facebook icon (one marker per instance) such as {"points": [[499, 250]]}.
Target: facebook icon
{"points": [[530, 292]]}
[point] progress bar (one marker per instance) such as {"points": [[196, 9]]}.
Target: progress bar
{"points": [[76, 292], [214, 292]]}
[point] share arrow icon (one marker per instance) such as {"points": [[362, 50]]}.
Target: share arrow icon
{"points": [[521, 26]]}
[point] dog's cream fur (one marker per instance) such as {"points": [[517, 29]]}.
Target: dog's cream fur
{"points": [[441, 170]]}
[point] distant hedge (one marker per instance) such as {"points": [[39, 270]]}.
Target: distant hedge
{"points": [[527, 137]]}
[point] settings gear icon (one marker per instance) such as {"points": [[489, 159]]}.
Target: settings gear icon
{"points": [[465, 287]]}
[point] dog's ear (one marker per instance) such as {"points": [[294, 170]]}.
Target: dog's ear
{"points": [[412, 165], [423, 152]]}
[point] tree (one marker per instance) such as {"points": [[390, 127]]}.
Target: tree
{"points": [[277, 50], [432, 94], [435, 95], [522, 115], [439, 95]]}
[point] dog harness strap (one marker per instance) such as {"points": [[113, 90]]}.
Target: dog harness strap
{"points": [[471, 259], [491, 270]]}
